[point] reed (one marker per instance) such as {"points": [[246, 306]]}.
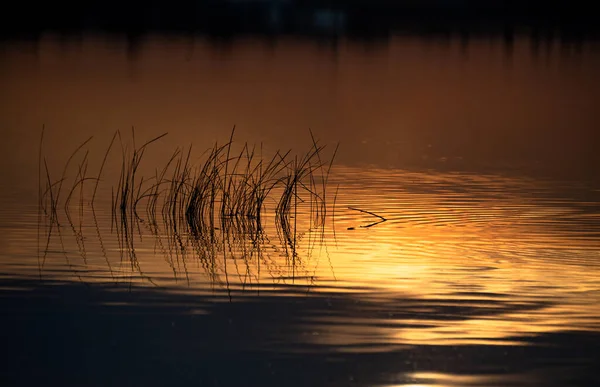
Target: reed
{"points": [[206, 207]]}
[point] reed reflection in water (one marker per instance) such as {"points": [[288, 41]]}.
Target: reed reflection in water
{"points": [[211, 212]]}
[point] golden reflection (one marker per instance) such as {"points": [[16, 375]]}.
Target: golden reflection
{"points": [[435, 379], [462, 244], [463, 258]]}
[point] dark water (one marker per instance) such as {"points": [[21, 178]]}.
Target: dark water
{"points": [[481, 159]]}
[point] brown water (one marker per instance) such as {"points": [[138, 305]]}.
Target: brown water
{"points": [[483, 162]]}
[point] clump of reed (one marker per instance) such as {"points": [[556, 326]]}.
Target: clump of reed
{"points": [[226, 191], [211, 204]]}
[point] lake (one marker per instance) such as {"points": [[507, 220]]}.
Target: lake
{"points": [[403, 212]]}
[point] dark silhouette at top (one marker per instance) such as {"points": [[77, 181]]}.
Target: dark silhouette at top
{"points": [[302, 17]]}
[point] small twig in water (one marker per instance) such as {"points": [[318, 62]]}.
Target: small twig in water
{"points": [[370, 213]]}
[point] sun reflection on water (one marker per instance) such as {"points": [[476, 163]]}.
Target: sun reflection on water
{"points": [[459, 259]]}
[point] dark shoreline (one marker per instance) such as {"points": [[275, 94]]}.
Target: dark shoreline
{"points": [[354, 18]]}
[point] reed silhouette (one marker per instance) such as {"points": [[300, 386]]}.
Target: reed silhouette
{"points": [[215, 211]]}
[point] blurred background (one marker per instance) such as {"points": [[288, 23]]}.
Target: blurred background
{"points": [[363, 18]]}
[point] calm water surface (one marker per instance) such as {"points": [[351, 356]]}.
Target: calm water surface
{"points": [[481, 158]]}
